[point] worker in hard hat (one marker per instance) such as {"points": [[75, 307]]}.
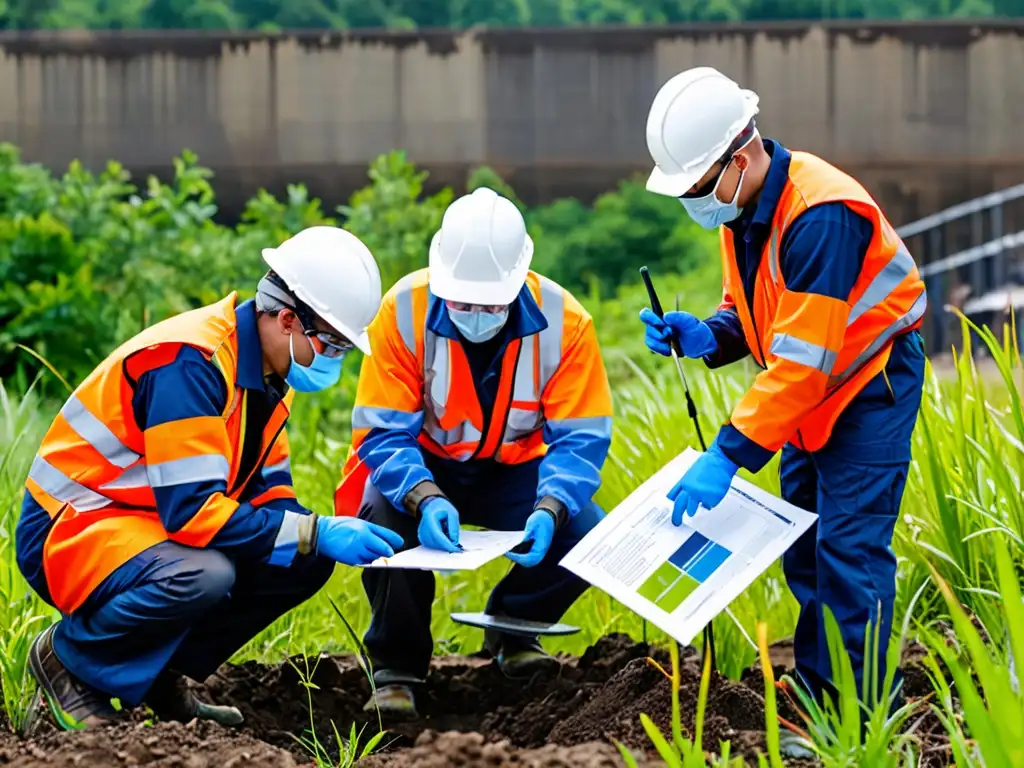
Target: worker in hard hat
{"points": [[159, 516], [485, 402], [822, 292]]}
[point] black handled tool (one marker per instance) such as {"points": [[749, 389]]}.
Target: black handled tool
{"points": [[691, 408], [677, 354]]}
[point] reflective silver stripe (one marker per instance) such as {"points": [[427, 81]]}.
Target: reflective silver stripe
{"points": [[916, 313], [773, 255], [521, 423], [403, 313], [524, 388], [287, 542], [436, 372], [885, 282], [803, 352], [194, 469], [368, 417], [553, 308], [463, 433], [281, 466], [63, 488], [132, 478], [97, 434]]}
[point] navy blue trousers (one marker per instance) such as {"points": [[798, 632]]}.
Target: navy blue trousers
{"points": [[177, 607], [490, 495], [855, 484]]}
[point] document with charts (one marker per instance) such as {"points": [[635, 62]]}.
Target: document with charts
{"points": [[680, 578]]}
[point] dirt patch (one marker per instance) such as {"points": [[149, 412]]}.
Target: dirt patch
{"points": [[471, 715]]}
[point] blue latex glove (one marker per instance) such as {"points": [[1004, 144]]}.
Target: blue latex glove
{"points": [[540, 527], [439, 525], [352, 541], [705, 484], [695, 337]]}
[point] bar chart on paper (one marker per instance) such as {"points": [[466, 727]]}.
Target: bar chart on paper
{"points": [[681, 577], [685, 570]]}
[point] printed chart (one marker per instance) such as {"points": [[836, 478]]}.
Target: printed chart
{"points": [[680, 577]]}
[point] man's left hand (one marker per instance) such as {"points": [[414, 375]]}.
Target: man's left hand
{"points": [[705, 484], [540, 527]]}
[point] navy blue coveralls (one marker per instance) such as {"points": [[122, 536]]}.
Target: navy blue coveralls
{"points": [[855, 482], [176, 607], [485, 493]]}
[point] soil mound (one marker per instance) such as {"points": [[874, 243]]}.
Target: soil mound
{"points": [[470, 715]]}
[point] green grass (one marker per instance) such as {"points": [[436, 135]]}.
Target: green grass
{"points": [[960, 543]]}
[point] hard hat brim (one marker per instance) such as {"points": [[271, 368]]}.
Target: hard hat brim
{"points": [[360, 338], [673, 184], [447, 287]]}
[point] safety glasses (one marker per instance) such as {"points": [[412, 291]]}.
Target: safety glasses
{"points": [[709, 186], [333, 346]]}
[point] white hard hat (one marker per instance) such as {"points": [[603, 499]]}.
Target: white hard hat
{"points": [[694, 118], [332, 271], [482, 253]]}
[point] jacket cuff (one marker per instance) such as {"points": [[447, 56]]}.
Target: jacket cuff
{"points": [[419, 493], [555, 508], [741, 450], [309, 533]]}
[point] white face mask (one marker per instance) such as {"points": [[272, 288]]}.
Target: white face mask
{"points": [[478, 326], [709, 211]]}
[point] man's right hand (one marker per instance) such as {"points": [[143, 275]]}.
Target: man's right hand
{"points": [[439, 525], [695, 337], [352, 541]]}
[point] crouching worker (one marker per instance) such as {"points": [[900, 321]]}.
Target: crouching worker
{"points": [[485, 402], [159, 516]]}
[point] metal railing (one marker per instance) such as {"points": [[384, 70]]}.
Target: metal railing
{"points": [[971, 256]]}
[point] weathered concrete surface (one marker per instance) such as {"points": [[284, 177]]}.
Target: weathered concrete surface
{"points": [[925, 114]]}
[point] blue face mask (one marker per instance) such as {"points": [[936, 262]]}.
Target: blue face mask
{"points": [[710, 212], [322, 373], [478, 326]]}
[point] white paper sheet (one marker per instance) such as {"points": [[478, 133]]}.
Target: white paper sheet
{"points": [[479, 548], [680, 578]]}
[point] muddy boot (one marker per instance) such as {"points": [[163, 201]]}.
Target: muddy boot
{"points": [[524, 661], [393, 700], [73, 704], [170, 698]]}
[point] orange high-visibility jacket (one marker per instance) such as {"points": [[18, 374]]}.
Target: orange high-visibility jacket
{"points": [[95, 470], [817, 352], [553, 399]]}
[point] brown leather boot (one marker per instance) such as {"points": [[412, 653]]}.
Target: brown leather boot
{"points": [[170, 698], [74, 704]]}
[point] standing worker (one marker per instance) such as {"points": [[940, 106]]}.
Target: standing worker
{"points": [[159, 516], [486, 401], [818, 286]]}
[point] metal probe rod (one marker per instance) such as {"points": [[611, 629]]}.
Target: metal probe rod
{"points": [[691, 408]]}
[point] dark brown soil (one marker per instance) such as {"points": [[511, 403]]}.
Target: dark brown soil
{"points": [[471, 715]]}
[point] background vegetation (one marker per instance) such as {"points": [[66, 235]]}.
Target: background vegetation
{"points": [[410, 14], [86, 260]]}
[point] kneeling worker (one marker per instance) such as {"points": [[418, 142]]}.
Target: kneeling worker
{"points": [[486, 401], [159, 516]]}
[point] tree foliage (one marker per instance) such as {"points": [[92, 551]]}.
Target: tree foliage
{"points": [[410, 14], [87, 260]]}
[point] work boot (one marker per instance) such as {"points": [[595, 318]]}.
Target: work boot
{"points": [[170, 698], [75, 705], [525, 662], [393, 700]]}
